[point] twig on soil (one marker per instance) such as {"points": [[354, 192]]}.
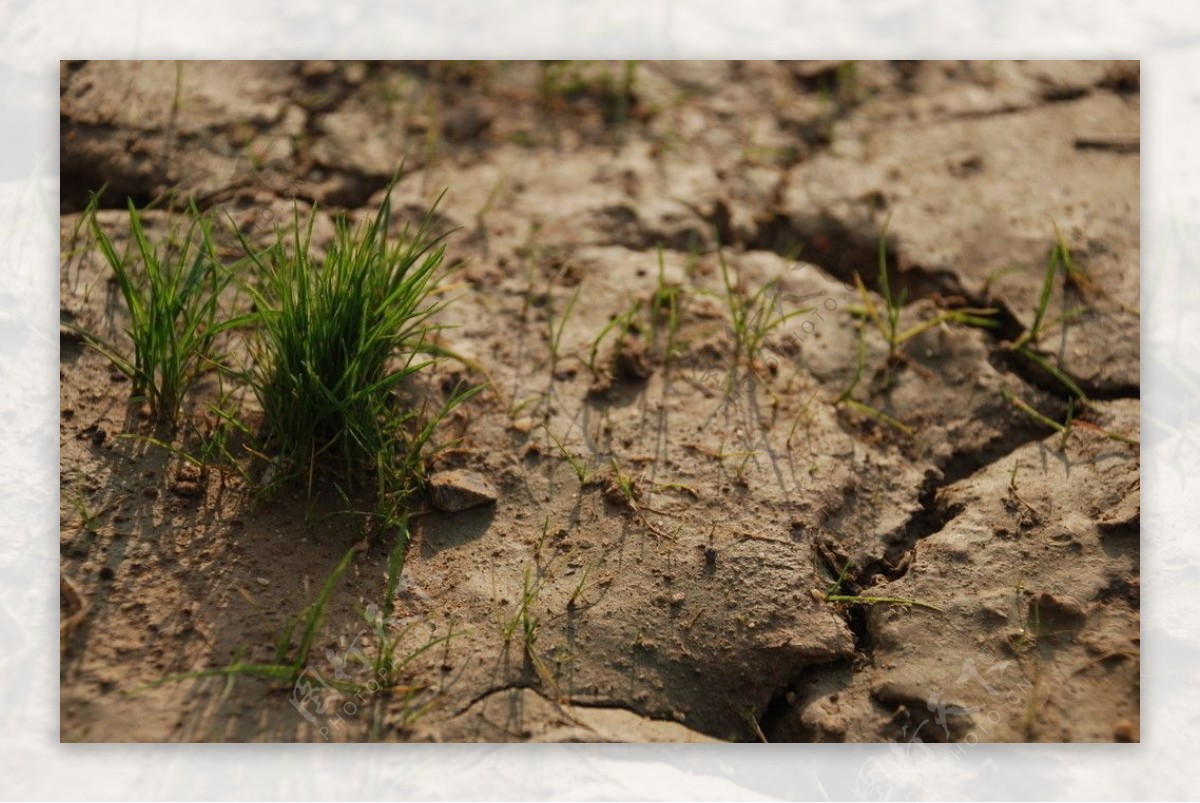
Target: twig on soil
{"points": [[881, 601], [767, 538]]}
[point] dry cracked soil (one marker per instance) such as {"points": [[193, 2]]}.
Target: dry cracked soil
{"points": [[811, 538]]}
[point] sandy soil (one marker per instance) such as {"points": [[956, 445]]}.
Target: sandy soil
{"points": [[679, 594]]}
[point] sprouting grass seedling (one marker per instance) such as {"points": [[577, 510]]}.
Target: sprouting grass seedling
{"points": [[1058, 259], [619, 95], [662, 309], [624, 484], [290, 658], [578, 466], [556, 332], [834, 595], [847, 395], [888, 322], [665, 308], [1067, 424], [892, 305], [620, 324], [524, 619], [1024, 407], [578, 592], [88, 518], [171, 291], [1015, 496], [292, 667], [385, 667], [753, 317], [623, 490], [481, 230], [310, 619], [1072, 421]]}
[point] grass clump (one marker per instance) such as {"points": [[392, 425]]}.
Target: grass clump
{"points": [[171, 290], [336, 338]]}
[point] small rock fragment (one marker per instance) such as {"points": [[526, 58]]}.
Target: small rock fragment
{"points": [[262, 581], [1057, 607], [188, 482], [452, 491], [1126, 731], [523, 425]]}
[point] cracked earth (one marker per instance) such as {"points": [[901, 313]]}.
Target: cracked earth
{"points": [[694, 585]]}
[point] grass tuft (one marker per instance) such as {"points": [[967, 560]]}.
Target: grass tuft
{"points": [[336, 338], [171, 290]]}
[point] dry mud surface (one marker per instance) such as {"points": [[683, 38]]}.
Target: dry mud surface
{"points": [[679, 593]]}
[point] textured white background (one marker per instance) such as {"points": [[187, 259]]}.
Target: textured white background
{"points": [[34, 35]]}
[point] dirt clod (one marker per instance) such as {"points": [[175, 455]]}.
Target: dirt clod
{"points": [[460, 489]]}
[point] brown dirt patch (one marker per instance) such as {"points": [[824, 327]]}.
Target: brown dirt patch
{"points": [[678, 592]]}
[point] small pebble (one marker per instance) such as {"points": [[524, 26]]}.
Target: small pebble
{"points": [[452, 491], [262, 581], [1125, 731]]}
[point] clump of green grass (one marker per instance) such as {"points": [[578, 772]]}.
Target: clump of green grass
{"points": [[336, 338], [171, 290]]}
